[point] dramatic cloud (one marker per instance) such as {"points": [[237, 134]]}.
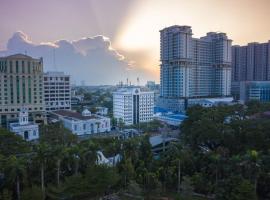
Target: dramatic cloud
{"points": [[90, 59]]}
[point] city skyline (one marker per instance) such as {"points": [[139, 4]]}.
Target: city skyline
{"points": [[136, 51]]}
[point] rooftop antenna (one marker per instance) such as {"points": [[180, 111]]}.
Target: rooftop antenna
{"points": [[127, 81], [138, 81]]}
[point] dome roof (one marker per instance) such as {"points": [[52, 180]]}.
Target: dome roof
{"points": [[86, 112]]}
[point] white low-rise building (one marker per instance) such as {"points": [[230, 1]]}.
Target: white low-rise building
{"points": [[133, 105], [83, 123], [102, 110], [24, 128]]}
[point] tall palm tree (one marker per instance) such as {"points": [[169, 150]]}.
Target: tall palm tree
{"points": [[88, 153], [16, 170], [176, 150], [74, 156], [59, 153], [252, 165], [42, 154]]}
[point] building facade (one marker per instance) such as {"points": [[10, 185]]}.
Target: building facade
{"points": [[255, 90], [21, 85], [250, 63], [57, 91], [27, 130], [83, 123], [193, 68], [102, 111], [151, 85], [132, 105]]}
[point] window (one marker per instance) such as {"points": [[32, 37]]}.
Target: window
{"points": [[17, 66], [22, 66], [28, 66], [10, 67]]}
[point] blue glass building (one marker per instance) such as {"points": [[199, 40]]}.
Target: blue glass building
{"points": [[255, 90]]}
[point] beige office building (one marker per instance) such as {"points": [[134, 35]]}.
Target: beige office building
{"points": [[21, 85]]}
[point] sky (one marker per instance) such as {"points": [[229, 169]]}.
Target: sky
{"points": [[121, 33]]}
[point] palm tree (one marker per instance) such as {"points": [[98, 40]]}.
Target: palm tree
{"points": [[59, 152], [252, 164], [43, 153], [88, 153], [74, 156], [16, 170], [176, 150]]}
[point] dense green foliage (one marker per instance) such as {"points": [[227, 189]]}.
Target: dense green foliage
{"points": [[223, 153], [230, 150], [148, 127]]}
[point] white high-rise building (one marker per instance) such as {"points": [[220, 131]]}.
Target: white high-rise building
{"points": [[57, 91], [133, 105], [193, 68]]}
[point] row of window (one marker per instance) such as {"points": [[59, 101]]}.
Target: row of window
{"points": [[17, 68], [56, 78], [18, 109]]}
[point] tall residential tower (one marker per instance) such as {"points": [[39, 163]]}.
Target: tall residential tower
{"points": [[250, 63], [193, 68]]}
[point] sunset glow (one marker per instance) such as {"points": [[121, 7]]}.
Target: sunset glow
{"points": [[132, 26]]}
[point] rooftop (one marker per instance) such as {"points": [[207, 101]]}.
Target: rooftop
{"points": [[74, 115], [17, 124], [133, 89], [175, 116], [158, 139], [217, 100], [19, 56]]}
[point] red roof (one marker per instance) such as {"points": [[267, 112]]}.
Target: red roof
{"points": [[76, 115]]}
